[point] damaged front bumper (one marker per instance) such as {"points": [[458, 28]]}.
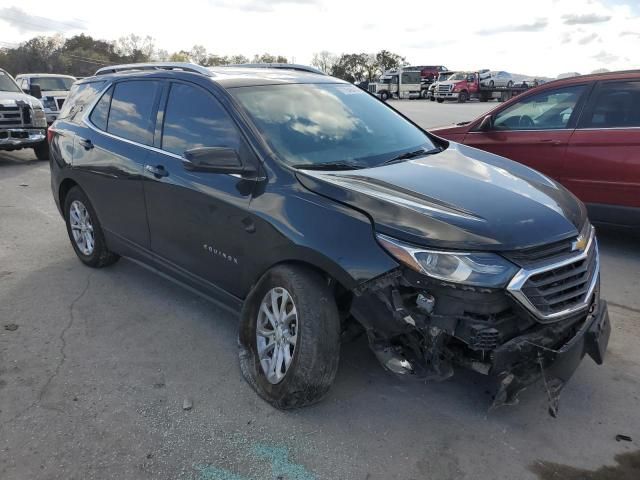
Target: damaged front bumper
{"points": [[423, 329]]}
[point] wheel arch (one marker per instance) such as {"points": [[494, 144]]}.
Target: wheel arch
{"points": [[65, 186]]}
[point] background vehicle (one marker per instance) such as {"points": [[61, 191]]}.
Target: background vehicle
{"points": [[497, 79], [464, 86], [406, 82], [53, 90], [22, 119], [582, 131], [431, 92], [218, 177], [400, 83]]}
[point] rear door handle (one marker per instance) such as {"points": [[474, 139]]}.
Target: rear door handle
{"points": [[157, 171], [86, 143]]}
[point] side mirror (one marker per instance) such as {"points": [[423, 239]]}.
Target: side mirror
{"points": [[215, 160], [486, 123], [35, 90]]}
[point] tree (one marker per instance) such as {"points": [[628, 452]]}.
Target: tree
{"points": [[198, 54], [324, 61], [136, 48], [387, 60], [268, 58]]}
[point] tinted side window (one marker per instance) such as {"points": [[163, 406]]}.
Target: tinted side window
{"points": [[79, 97], [101, 110], [549, 110], [132, 108], [194, 118], [616, 104]]}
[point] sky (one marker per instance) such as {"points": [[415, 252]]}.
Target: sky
{"points": [[533, 37]]}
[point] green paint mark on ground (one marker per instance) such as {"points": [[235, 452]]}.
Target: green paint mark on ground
{"points": [[209, 472], [281, 467], [278, 456]]}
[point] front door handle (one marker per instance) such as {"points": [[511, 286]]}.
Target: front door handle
{"points": [[157, 171], [86, 143], [549, 141]]}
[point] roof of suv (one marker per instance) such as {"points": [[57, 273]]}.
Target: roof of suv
{"points": [[226, 76]]}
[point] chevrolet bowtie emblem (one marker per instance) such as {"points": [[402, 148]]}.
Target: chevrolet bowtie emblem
{"points": [[579, 244]]}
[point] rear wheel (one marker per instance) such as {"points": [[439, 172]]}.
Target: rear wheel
{"points": [[289, 340], [42, 151], [85, 231]]}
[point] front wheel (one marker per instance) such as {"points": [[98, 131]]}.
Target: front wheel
{"points": [[463, 97], [440, 100], [42, 151], [289, 339], [509, 84], [384, 96]]}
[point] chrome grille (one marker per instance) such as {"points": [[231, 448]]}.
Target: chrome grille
{"points": [[372, 88], [560, 288], [11, 117], [444, 88]]}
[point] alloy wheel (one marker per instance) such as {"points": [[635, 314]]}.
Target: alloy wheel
{"points": [[276, 333], [81, 227]]}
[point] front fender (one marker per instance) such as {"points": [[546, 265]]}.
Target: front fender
{"points": [[311, 229]]}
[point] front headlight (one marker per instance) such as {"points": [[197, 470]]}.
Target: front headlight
{"points": [[481, 269], [39, 118]]}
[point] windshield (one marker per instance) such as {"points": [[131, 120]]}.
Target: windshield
{"points": [[7, 84], [458, 76], [48, 84], [327, 123]]}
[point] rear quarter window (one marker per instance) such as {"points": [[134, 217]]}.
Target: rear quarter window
{"points": [[80, 97]]}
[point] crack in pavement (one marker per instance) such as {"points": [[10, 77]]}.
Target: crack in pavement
{"points": [[624, 307], [63, 355]]}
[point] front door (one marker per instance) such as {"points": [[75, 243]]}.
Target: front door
{"points": [[534, 130], [198, 220]]}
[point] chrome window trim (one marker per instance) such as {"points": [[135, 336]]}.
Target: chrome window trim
{"points": [[517, 282], [608, 128]]}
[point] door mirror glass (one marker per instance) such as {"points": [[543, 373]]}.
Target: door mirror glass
{"points": [[35, 90], [486, 123], [214, 160]]}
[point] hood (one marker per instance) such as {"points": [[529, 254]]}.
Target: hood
{"points": [[8, 99], [55, 93], [462, 198]]}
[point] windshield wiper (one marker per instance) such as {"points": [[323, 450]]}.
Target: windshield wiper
{"points": [[409, 155], [329, 166]]}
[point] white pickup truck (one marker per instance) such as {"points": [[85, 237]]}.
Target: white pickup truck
{"points": [[53, 90], [23, 123]]}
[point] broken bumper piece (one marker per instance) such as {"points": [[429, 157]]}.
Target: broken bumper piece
{"points": [[423, 330], [526, 359]]}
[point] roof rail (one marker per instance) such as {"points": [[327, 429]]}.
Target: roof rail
{"points": [[184, 66], [283, 66]]}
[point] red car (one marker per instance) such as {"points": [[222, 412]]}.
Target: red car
{"points": [[582, 131]]}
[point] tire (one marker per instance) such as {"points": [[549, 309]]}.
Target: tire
{"points": [[424, 94], [492, 84], [463, 97], [440, 100], [42, 151], [509, 84], [384, 96], [314, 361], [98, 256], [433, 99]]}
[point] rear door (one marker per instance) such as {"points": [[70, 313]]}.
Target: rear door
{"points": [[110, 153], [534, 130], [198, 220], [603, 158]]}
